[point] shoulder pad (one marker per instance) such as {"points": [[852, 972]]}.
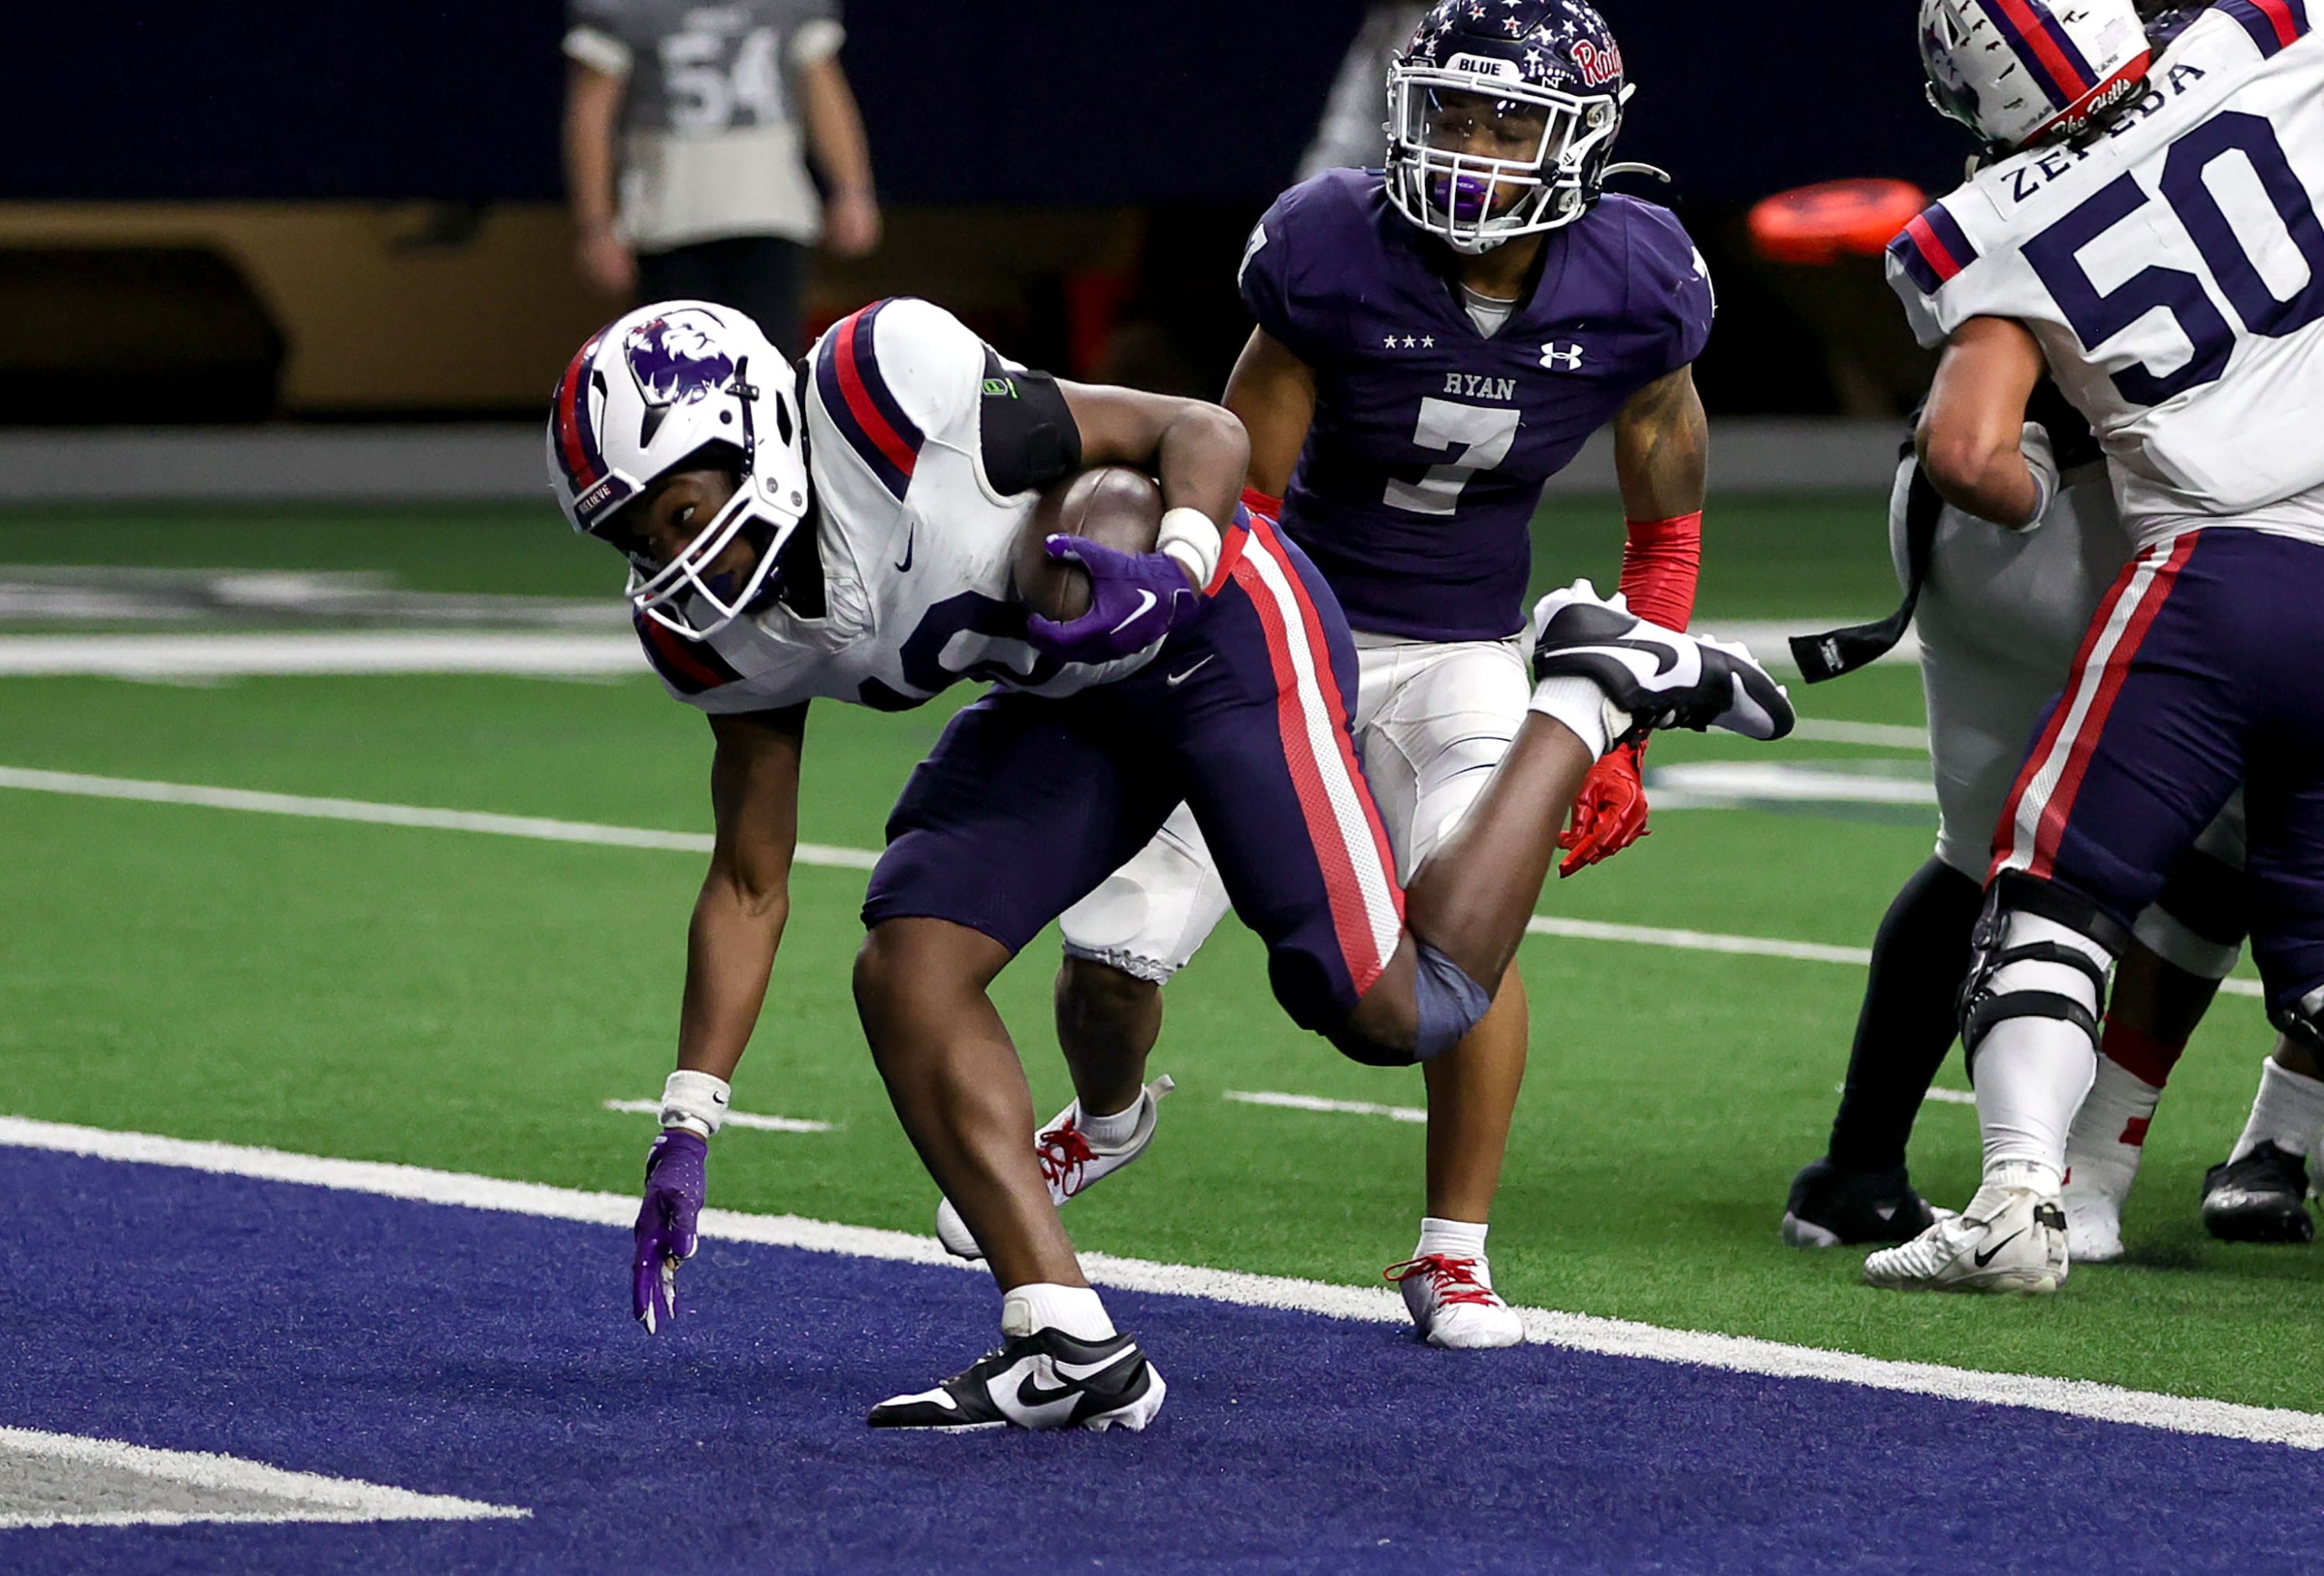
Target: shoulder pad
{"points": [[1931, 249], [890, 375]]}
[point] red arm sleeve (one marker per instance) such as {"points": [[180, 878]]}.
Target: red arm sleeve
{"points": [[1661, 560]]}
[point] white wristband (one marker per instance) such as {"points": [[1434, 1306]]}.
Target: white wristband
{"points": [[1191, 539], [696, 1101]]}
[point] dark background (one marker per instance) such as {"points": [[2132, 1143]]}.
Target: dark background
{"points": [[1190, 113], [1030, 102]]}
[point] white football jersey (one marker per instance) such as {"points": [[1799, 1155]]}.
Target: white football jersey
{"points": [[918, 547], [2174, 271]]}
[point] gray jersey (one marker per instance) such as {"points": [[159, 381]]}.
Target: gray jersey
{"points": [[711, 143], [1999, 619]]}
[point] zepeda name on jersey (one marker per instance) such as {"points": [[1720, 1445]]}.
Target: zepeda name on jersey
{"points": [[2028, 180]]}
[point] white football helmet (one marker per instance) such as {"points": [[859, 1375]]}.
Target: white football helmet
{"points": [[648, 392], [2021, 72]]}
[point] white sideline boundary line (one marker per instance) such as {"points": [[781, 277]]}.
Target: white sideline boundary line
{"points": [[733, 1119], [315, 1497], [83, 785], [1374, 1305], [1402, 1114]]}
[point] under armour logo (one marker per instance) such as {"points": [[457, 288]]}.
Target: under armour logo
{"points": [[1559, 358]]}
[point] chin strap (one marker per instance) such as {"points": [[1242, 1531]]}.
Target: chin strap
{"points": [[1659, 173]]}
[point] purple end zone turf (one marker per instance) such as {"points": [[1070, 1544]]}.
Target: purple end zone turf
{"points": [[490, 1356]]}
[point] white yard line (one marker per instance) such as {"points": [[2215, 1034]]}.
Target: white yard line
{"points": [[1402, 1114], [180, 657], [1377, 1303], [733, 1119], [1882, 735], [85, 785], [302, 1496]]}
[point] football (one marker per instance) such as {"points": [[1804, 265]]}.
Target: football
{"points": [[1111, 505]]}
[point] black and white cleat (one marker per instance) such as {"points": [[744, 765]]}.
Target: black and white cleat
{"points": [[1044, 1380], [1658, 677]]}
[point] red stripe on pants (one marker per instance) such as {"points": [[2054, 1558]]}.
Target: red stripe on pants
{"points": [[1350, 925]]}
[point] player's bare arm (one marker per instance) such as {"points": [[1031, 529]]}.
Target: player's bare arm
{"points": [[745, 899], [1971, 431], [1662, 448], [1133, 598], [834, 136], [1272, 392], [1197, 450], [593, 104]]}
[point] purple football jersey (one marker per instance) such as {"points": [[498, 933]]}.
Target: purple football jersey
{"points": [[1431, 443]]}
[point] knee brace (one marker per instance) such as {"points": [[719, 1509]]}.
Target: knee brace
{"points": [[2302, 1022], [2199, 921], [1446, 1003], [2037, 953]]}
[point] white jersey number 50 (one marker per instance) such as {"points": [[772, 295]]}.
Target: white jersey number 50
{"points": [[1488, 431]]}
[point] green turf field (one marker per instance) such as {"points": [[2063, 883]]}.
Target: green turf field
{"points": [[469, 1002]]}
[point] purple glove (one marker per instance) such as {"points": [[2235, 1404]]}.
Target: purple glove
{"points": [[1135, 600], [664, 1230]]}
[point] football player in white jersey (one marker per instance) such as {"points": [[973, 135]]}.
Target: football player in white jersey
{"points": [[1999, 614], [854, 533], [2148, 228]]}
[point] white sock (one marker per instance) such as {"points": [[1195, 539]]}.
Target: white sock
{"points": [[2108, 1137], [2287, 1112], [1072, 1311], [1110, 1132], [1582, 706], [2032, 1073], [1453, 1239]]}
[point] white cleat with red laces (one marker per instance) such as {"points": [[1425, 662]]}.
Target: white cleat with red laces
{"points": [[1453, 1303], [1068, 1160]]}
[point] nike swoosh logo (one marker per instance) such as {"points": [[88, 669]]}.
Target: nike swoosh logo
{"points": [[904, 564], [1175, 679], [1146, 600], [1028, 1402], [1666, 657], [1985, 1258]]}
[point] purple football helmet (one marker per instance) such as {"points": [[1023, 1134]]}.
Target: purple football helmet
{"points": [[1502, 118]]}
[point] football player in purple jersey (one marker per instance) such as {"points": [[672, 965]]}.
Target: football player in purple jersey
{"points": [[1433, 341]]}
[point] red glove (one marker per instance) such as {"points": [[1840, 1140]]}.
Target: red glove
{"points": [[1609, 813]]}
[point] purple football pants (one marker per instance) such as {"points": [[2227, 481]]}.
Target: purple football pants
{"points": [[1027, 803], [2202, 669]]}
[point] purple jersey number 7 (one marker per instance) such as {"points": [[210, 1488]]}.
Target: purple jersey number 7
{"points": [[2099, 315]]}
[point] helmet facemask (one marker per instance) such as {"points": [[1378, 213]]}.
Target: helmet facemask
{"points": [[688, 595], [1463, 198], [668, 388]]}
